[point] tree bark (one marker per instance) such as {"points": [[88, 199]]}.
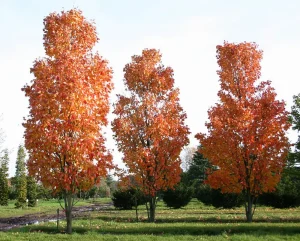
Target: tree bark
{"points": [[68, 209], [152, 209], [249, 207], [136, 209], [147, 211]]}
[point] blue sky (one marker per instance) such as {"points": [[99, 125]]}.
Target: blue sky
{"points": [[185, 31]]}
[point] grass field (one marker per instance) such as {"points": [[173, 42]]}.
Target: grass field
{"points": [[194, 222]]}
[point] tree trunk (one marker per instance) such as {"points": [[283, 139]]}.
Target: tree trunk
{"points": [[147, 208], [249, 207], [152, 209], [136, 210], [68, 209]]}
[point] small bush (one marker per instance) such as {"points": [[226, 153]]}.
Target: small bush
{"points": [[278, 200], [178, 197], [127, 199], [214, 197], [286, 195], [203, 194]]}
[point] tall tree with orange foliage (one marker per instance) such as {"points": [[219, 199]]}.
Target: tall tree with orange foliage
{"points": [[149, 125], [69, 102], [246, 140]]}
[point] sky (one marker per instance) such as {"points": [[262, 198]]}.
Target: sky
{"points": [[185, 31]]}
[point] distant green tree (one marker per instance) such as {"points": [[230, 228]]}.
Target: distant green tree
{"points": [[294, 157], [196, 173], [43, 193], [287, 193], [197, 170], [111, 183], [4, 178], [195, 178], [109, 180], [12, 192], [31, 191], [21, 182], [103, 188], [93, 192]]}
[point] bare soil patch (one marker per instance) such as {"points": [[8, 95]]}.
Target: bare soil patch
{"points": [[14, 222]]}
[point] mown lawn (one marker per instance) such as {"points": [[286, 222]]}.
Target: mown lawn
{"points": [[195, 222]]}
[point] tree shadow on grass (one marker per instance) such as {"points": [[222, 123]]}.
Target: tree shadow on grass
{"points": [[201, 220]]}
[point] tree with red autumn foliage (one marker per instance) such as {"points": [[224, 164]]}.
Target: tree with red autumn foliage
{"points": [[69, 102], [149, 125], [246, 141]]}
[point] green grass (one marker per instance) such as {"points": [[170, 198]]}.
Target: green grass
{"points": [[43, 206], [108, 237], [197, 212], [195, 222]]}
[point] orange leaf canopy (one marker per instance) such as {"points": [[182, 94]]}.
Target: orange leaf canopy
{"points": [[149, 125], [68, 100], [246, 139]]}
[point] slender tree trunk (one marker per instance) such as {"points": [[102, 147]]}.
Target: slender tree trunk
{"points": [[249, 208], [68, 209], [136, 210], [136, 213], [147, 210], [152, 209]]}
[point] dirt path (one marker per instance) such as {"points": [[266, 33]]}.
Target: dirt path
{"points": [[9, 223]]}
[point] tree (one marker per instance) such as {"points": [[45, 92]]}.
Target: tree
{"points": [[31, 191], [12, 190], [196, 174], [294, 157], [111, 183], [4, 179], [149, 125], [21, 182], [69, 103], [4, 159], [42, 192], [246, 137], [103, 188]]}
